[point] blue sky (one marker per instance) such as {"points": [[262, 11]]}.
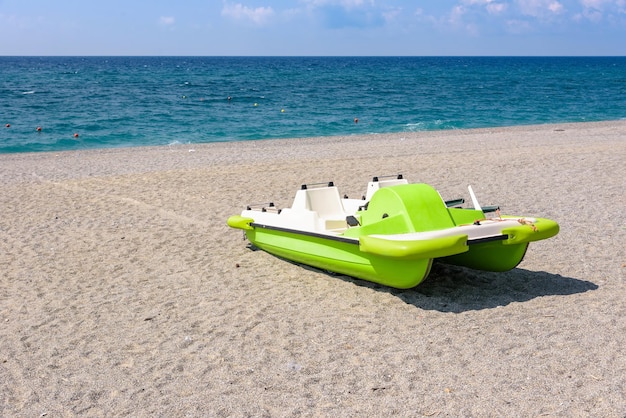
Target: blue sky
{"points": [[313, 27]]}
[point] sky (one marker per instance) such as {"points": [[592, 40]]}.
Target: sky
{"points": [[313, 27]]}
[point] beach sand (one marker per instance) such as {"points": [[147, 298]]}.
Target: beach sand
{"points": [[123, 292]]}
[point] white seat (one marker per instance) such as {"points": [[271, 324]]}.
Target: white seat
{"points": [[326, 202]]}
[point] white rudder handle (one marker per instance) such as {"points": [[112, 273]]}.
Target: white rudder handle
{"points": [[474, 200]]}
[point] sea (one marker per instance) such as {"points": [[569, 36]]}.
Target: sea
{"points": [[75, 103]]}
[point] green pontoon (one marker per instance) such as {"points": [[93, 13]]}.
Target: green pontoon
{"points": [[391, 236]]}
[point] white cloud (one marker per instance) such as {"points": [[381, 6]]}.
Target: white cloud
{"points": [[167, 20], [456, 15], [456, 20], [492, 6], [467, 7], [346, 4], [467, 14], [391, 15], [478, 2], [555, 7], [615, 6], [496, 8], [518, 26], [593, 15], [540, 8], [603, 4], [596, 4], [597, 10], [258, 15]]}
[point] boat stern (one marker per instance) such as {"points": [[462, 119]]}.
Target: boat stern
{"points": [[240, 222]]}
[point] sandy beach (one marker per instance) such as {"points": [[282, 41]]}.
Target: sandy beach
{"points": [[124, 293]]}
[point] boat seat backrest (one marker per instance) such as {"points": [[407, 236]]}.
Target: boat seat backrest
{"points": [[326, 201], [407, 208], [372, 186]]}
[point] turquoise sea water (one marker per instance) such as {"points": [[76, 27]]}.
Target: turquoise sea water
{"points": [[137, 101]]}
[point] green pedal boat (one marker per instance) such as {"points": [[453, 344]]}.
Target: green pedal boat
{"points": [[392, 235]]}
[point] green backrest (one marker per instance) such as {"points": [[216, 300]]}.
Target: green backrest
{"points": [[406, 208]]}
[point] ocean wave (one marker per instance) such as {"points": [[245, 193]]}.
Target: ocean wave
{"points": [[118, 102]]}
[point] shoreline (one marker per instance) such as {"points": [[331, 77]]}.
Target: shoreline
{"points": [[123, 292], [429, 133], [557, 132]]}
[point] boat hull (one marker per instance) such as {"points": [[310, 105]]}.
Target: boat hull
{"points": [[501, 255], [490, 256], [340, 256]]}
